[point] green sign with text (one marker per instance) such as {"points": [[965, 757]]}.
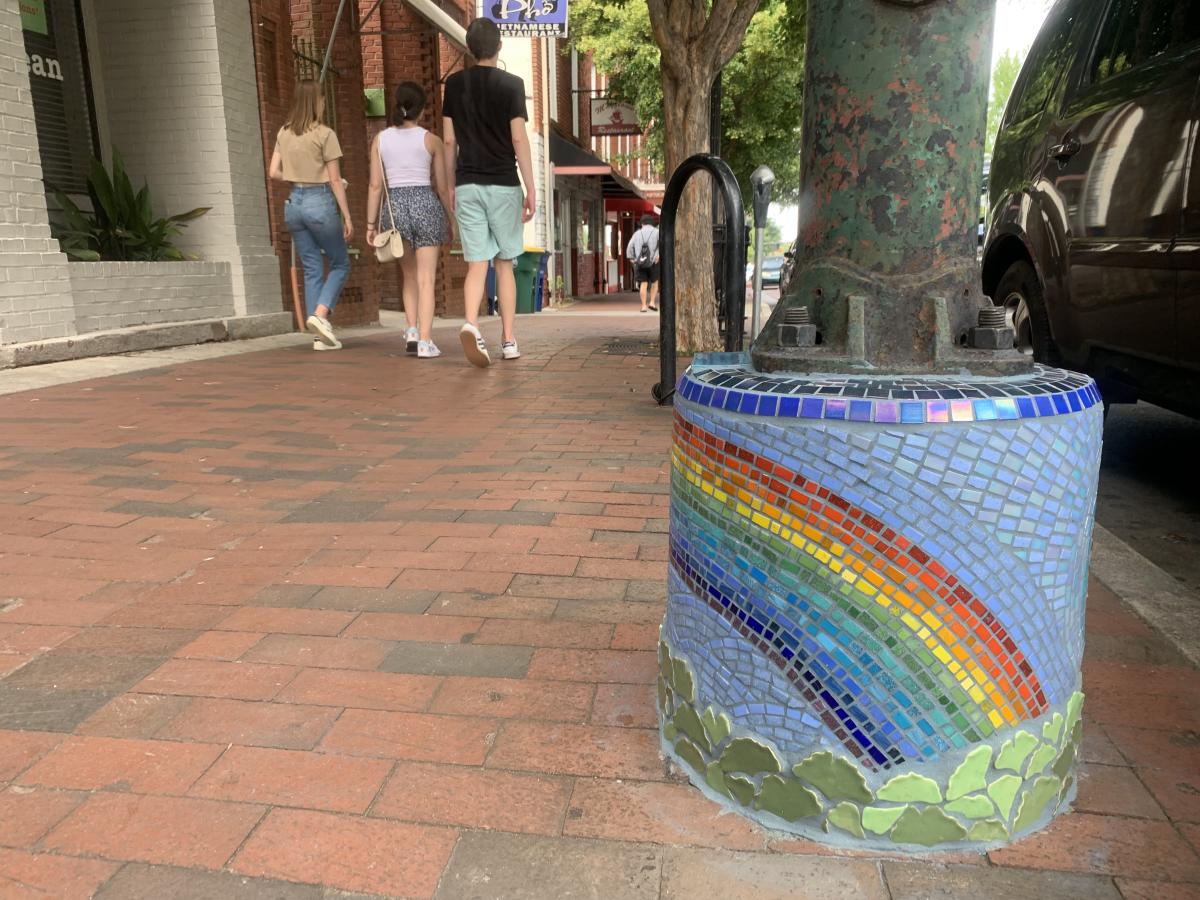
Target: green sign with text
{"points": [[33, 16]]}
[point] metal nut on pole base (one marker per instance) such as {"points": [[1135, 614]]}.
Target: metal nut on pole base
{"points": [[993, 331], [796, 330]]}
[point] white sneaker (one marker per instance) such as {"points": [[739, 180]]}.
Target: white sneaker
{"points": [[411, 338], [509, 350], [322, 329], [427, 350], [321, 345], [474, 346]]}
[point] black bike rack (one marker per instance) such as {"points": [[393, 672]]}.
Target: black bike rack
{"points": [[734, 312]]}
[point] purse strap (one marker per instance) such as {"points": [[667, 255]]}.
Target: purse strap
{"points": [[386, 199]]}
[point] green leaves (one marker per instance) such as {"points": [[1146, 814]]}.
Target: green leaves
{"points": [[762, 85], [121, 225]]}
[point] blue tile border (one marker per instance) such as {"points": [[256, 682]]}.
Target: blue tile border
{"points": [[726, 381]]}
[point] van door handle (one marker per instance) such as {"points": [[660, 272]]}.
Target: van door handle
{"points": [[1064, 151]]}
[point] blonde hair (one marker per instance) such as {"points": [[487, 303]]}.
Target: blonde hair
{"points": [[308, 106]]}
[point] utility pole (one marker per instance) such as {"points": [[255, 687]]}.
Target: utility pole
{"points": [[881, 516], [895, 109]]}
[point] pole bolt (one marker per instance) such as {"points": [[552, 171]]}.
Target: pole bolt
{"points": [[796, 330], [992, 317], [993, 331]]}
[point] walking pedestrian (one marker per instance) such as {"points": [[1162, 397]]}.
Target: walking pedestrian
{"points": [[486, 144], [411, 161], [307, 154], [643, 253]]}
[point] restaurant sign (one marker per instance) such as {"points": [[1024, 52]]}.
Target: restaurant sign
{"points": [[611, 118], [526, 18]]}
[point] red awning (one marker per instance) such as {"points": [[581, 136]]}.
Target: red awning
{"points": [[636, 206], [582, 170]]}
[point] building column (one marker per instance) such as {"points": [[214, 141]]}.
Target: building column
{"points": [[182, 102], [35, 289]]}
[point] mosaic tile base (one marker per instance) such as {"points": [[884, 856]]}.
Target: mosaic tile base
{"points": [[899, 590]]}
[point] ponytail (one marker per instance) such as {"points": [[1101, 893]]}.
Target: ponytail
{"points": [[410, 101]]}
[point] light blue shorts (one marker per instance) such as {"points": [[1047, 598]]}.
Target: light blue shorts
{"points": [[490, 221]]}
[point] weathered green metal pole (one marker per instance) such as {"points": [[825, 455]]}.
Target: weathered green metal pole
{"points": [[894, 118]]}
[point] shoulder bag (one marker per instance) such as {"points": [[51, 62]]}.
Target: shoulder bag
{"points": [[389, 246]]}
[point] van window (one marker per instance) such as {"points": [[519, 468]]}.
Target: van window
{"points": [[1049, 57], [1137, 31]]}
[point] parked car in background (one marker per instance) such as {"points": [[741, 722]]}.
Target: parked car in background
{"points": [[1094, 199], [772, 269]]}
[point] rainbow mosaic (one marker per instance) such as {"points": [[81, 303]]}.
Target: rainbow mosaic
{"points": [[900, 588]]}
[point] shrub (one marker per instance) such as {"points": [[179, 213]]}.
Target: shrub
{"points": [[121, 225]]}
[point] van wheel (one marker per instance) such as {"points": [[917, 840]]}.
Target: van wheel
{"points": [[1020, 293]]}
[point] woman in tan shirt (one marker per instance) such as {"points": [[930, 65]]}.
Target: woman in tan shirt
{"points": [[306, 154]]}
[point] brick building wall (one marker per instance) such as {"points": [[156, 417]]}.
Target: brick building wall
{"points": [[35, 290], [585, 100], [372, 44], [562, 59]]}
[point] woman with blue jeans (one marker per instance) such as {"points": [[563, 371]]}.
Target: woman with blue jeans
{"points": [[306, 154]]}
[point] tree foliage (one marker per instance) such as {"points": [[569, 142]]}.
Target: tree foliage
{"points": [[762, 85], [1004, 75]]}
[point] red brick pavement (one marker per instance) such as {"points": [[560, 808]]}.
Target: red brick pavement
{"points": [[285, 620]]}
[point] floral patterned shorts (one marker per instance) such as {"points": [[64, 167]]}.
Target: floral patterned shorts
{"points": [[419, 216]]}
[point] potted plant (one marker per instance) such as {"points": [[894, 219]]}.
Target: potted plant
{"points": [[121, 225]]}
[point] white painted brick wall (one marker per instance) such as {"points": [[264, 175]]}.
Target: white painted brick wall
{"points": [[35, 291], [182, 105], [110, 295]]}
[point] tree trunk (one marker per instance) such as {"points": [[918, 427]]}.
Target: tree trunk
{"points": [[686, 120]]}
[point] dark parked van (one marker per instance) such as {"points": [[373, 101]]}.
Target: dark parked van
{"points": [[1094, 199]]}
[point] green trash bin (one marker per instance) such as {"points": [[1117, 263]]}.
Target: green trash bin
{"points": [[526, 272]]}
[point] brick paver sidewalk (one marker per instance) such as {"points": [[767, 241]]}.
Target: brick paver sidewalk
{"points": [[283, 624]]}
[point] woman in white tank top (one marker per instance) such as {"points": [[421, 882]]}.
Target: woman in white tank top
{"points": [[418, 207]]}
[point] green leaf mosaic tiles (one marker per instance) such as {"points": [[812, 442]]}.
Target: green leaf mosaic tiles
{"points": [[825, 793]]}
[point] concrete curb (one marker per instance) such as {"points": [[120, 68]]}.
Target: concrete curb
{"points": [[1158, 598], [144, 337], [29, 378]]}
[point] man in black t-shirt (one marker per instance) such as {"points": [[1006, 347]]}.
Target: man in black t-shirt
{"points": [[484, 116]]}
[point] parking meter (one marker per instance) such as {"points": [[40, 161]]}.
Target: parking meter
{"points": [[760, 187]]}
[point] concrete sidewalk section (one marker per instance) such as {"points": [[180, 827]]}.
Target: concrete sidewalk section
{"points": [[286, 624]]}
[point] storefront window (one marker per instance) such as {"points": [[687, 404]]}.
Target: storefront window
{"points": [[58, 81]]}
